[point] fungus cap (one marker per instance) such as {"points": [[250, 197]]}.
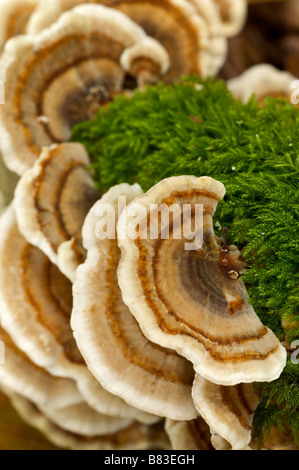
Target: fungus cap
{"points": [[233, 14], [217, 38], [174, 23], [34, 299], [36, 304], [22, 376], [135, 437], [53, 197], [146, 60], [145, 375], [190, 298], [70, 255], [189, 435], [60, 77], [85, 421], [15, 15], [263, 80], [228, 411]]}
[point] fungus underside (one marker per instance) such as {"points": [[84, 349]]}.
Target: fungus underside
{"points": [[196, 127]]}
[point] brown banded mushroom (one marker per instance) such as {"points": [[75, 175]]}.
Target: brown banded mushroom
{"points": [[221, 444], [263, 81], [79, 418], [189, 435], [134, 437], [62, 76], [187, 295], [85, 421], [233, 14], [48, 13], [174, 23], [228, 411], [145, 375], [218, 41], [36, 304], [15, 15], [147, 61], [53, 198], [70, 255], [15, 433], [22, 376], [35, 299]]}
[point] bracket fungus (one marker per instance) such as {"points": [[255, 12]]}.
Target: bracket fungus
{"points": [[62, 76], [218, 42], [192, 300], [146, 60], [145, 375], [233, 14], [85, 421], [189, 435], [70, 255], [36, 304], [227, 410], [15, 15], [263, 81], [35, 299], [22, 376], [53, 198], [135, 437], [176, 24]]}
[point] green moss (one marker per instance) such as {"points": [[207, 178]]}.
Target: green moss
{"points": [[279, 405], [176, 129]]}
